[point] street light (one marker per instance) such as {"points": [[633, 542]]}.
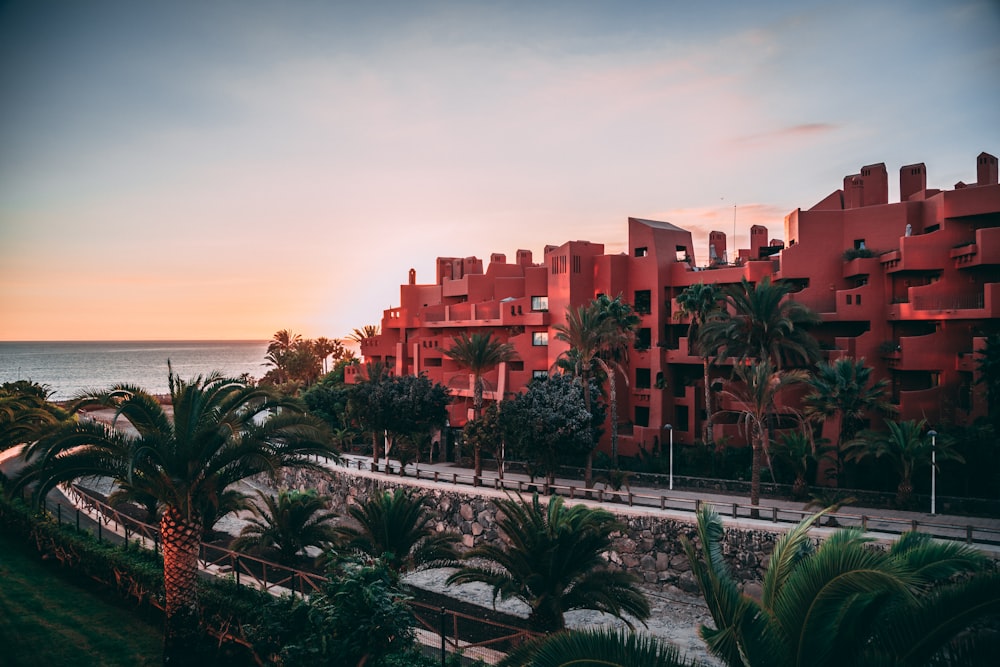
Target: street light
{"points": [[670, 428], [933, 435]]}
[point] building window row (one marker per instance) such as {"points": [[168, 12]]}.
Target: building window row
{"points": [[559, 264]]}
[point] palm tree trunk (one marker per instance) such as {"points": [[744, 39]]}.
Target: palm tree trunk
{"points": [[709, 436], [477, 411], [588, 470], [755, 473], [181, 539], [614, 422]]}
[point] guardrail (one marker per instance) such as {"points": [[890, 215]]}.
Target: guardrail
{"points": [[883, 525]]}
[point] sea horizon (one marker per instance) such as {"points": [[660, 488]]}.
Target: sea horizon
{"points": [[70, 367]]}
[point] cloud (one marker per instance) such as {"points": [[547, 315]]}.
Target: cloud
{"points": [[798, 133]]}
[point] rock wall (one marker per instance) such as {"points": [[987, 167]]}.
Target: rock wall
{"points": [[648, 545]]}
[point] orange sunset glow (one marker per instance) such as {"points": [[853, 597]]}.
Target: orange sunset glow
{"points": [[221, 171]]}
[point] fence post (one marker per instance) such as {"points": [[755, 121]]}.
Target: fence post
{"points": [[774, 515], [444, 632], [734, 510], [59, 513], [913, 524], [237, 569], [697, 505], [78, 519], [630, 499], [968, 534], [572, 492], [99, 524], [864, 522]]}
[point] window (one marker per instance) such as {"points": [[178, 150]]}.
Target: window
{"points": [[848, 299], [540, 338], [643, 302], [641, 252], [641, 415], [559, 264], [432, 362], [859, 244], [643, 338], [515, 365], [539, 375], [642, 378], [576, 264], [857, 299], [539, 303]]}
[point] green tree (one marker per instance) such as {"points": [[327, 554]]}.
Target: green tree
{"points": [[479, 354], [365, 405], [760, 323], [286, 525], [845, 603], [221, 432], [754, 393], [364, 333], [282, 344], [554, 562], [397, 528], [360, 619], [845, 389], [25, 411], [547, 424], [597, 647], [907, 447], [700, 302], [325, 348], [411, 407]]}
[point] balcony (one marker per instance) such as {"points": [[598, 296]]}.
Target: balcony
{"points": [[984, 251], [916, 253], [860, 266]]}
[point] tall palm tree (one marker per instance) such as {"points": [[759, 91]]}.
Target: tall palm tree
{"points": [[590, 331], [396, 527], [327, 347], [761, 323], [478, 354], [619, 335], [554, 562], [700, 302], [221, 432], [282, 344], [754, 393], [844, 603], [597, 647], [907, 447], [286, 524], [803, 454], [844, 389]]}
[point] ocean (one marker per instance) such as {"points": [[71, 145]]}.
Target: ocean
{"points": [[69, 368]]}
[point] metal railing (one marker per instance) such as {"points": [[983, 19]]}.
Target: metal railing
{"points": [[882, 525]]}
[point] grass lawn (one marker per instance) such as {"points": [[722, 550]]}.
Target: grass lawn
{"points": [[46, 618]]}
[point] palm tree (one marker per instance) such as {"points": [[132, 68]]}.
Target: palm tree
{"points": [[618, 337], [844, 389], [595, 647], [844, 603], [907, 446], [700, 302], [554, 562], [282, 344], [287, 524], [754, 394], [325, 347], [364, 333], [803, 454], [25, 411], [396, 527], [221, 432], [591, 331], [760, 323], [479, 353]]}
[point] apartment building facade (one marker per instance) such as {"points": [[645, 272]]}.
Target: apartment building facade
{"points": [[911, 286]]}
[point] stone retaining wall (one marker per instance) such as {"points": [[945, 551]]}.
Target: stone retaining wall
{"points": [[648, 546]]}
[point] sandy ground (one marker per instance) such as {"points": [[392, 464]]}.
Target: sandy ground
{"points": [[676, 616]]}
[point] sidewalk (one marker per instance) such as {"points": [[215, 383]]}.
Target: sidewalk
{"points": [[680, 503]]}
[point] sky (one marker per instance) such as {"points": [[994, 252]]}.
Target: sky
{"points": [[223, 170]]}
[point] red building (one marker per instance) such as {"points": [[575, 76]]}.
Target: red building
{"points": [[912, 286]]}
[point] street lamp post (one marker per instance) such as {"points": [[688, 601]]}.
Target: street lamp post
{"points": [[933, 435], [670, 428]]}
